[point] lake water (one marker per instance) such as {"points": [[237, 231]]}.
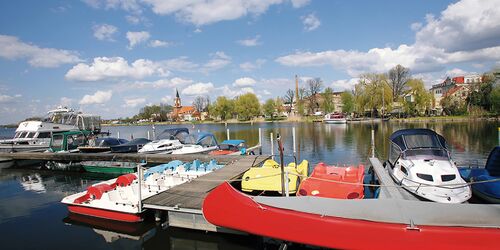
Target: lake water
{"points": [[31, 216]]}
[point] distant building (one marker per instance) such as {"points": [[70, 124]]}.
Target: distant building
{"points": [[459, 86], [183, 113]]}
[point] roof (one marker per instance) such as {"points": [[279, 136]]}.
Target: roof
{"points": [[397, 137], [453, 90], [185, 109], [233, 142], [458, 79]]}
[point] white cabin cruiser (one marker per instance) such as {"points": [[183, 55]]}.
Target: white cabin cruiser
{"points": [[420, 162], [335, 118], [197, 144], [166, 142], [36, 135]]}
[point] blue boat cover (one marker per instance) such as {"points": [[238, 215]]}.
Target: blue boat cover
{"points": [[233, 142], [493, 162], [160, 168], [427, 139]]}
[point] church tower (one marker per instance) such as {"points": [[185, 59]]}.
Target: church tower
{"points": [[177, 101]]}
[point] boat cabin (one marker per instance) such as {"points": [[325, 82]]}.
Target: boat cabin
{"points": [[415, 144], [203, 139], [68, 141], [173, 134]]}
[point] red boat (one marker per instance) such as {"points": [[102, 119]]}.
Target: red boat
{"points": [[356, 224], [230, 147], [334, 182]]}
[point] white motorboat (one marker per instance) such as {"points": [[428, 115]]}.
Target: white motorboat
{"points": [[335, 118], [197, 144], [420, 162], [166, 142], [36, 135], [118, 199]]}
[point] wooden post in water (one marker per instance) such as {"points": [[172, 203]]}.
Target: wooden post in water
{"points": [[373, 143], [227, 133], [260, 141], [294, 142], [282, 165], [148, 136], [118, 134], [272, 146], [139, 178]]}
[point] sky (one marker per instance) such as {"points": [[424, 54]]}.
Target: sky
{"points": [[112, 57]]}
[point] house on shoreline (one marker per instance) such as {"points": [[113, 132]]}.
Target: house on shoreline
{"points": [[459, 86]]}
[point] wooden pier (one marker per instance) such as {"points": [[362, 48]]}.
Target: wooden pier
{"points": [[183, 203], [388, 189]]}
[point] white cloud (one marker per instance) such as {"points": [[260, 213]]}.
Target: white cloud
{"points": [[300, 3], [310, 22], [104, 32], [133, 102], [244, 82], [12, 48], [416, 26], [249, 66], [251, 42], [219, 60], [115, 67], [167, 99], [345, 84], [98, 97], [66, 101], [8, 98], [132, 6], [158, 43], [197, 30], [160, 84], [135, 38], [227, 91], [198, 89], [458, 72]]}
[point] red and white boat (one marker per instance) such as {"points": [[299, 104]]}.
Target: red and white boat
{"points": [[356, 224], [334, 182]]}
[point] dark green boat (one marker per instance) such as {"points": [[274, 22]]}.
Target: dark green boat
{"points": [[109, 167]]}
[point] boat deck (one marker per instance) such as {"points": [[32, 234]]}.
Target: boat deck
{"points": [[388, 189]]}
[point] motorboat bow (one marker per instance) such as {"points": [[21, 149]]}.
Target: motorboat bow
{"points": [[166, 142]]}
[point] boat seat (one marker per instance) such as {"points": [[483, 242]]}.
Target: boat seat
{"points": [[125, 180], [493, 162]]}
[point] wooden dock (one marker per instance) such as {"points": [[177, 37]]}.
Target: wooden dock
{"points": [[183, 203], [388, 189]]}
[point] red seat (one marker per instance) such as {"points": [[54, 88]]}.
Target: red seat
{"points": [[125, 180]]}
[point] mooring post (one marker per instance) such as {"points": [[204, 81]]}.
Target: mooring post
{"points": [[294, 142], [272, 146], [148, 136], [373, 143], [118, 134], [154, 131], [227, 133], [287, 188], [139, 179], [260, 141]]}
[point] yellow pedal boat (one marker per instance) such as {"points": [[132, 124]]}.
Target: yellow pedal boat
{"points": [[268, 177]]}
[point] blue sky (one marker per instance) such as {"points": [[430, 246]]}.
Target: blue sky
{"points": [[111, 57]]}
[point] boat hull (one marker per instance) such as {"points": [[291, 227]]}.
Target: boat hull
{"points": [[227, 207], [108, 170], [105, 214], [335, 121]]}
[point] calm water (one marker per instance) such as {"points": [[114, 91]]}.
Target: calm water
{"points": [[31, 216]]}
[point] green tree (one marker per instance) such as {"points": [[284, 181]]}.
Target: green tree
{"points": [[247, 106], [222, 108], [418, 98], [347, 102], [495, 99], [269, 108], [372, 93], [327, 105], [453, 105], [398, 78], [279, 106]]}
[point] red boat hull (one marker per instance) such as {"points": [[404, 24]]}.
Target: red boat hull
{"points": [[229, 208], [105, 214]]}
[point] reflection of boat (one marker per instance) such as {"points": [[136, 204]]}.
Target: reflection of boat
{"points": [[334, 182], [6, 163], [489, 190], [33, 182], [69, 166], [113, 230], [268, 178], [35, 135], [109, 167], [420, 162], [102, 144], [339, 223], [118, 199], [130, 147], [335, 118], [197, 144], [166, 142], [231, 147]]}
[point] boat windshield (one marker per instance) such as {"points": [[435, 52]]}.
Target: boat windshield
{"points": [[422, 141], [426, 153], [168, 135], [68, 118], [57, 141]]}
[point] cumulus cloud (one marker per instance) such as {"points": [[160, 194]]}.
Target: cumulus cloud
{"points": [[310, 22], [458, 72], [12, 48], [198, 89], [244, 82], [132, 6], [160, 84], [104, 32], [249, 66], [65, 101], [8, 98], [251, 42], [167, 99], [344, 84], [133, 102], [115, 67], [300, 3], [135, 38], [230, 92], [158, 43], [98, 97], [219, 60]]}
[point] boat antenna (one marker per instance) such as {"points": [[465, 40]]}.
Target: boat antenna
{"points": [[282, 166]]}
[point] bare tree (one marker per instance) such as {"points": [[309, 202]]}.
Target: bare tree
{"points": [[289, 98], [314, 87], [200, 103], [398, 78]]}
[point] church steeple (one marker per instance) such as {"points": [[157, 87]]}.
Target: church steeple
{"points": [[177, 101]]}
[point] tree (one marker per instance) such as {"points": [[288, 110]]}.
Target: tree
{"points": [[372, 92], [421, 99], [495, 99], [398, 78], [314, 87], [269, 108], [289, 98], [200, 103], [328, 105], [347, 102], [247, 106], [222, 108], [453, 105], [279, 106]]}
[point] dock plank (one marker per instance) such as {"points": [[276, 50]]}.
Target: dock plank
{"points": [[190, 195]]}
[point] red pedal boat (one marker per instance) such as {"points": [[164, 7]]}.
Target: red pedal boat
{"points": [[356, 224], [334, 182]]}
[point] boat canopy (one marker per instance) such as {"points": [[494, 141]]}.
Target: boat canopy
{"points": [[233, 145], [137, 141], [172, 133], [202, 139], [233, 142], [418, 139], [109, 141]]}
